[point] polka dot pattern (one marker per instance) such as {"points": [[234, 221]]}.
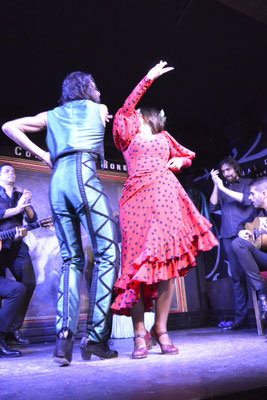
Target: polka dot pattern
{"points": [[162, 231]]}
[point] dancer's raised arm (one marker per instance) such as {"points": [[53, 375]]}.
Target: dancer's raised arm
{"points": [[126, 120], [159, 70]]}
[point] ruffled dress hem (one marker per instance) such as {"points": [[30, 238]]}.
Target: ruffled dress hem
{"points": [[172, 259]]}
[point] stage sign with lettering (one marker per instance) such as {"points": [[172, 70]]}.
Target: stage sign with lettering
{"points": [[19, 152]]}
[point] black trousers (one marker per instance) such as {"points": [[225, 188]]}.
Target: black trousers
{"points": [[12, 293], [252, 262], [238, 278], [18, 261]]}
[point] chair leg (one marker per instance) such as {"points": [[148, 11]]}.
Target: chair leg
{"points": [[257, 313]]}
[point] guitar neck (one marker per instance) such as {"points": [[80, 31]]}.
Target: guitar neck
{"points": [[11, 233]]}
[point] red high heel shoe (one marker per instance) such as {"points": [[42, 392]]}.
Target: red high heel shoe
{"points": [[165, 348], [141, 352]]}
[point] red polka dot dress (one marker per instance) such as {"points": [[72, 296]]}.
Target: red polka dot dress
{"points": [[162, 231]]}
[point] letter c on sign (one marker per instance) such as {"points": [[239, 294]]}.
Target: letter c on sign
{"points": [[18, 151]]}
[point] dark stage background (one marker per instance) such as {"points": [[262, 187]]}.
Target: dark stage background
{"points": [[215, 99]]}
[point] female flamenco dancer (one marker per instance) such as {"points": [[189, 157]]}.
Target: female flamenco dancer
{"points": [[162, 231]]}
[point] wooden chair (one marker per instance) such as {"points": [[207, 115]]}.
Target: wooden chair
{"points": [[260, 326]]}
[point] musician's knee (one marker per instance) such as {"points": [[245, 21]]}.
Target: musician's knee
{"points": [[239, 243]]}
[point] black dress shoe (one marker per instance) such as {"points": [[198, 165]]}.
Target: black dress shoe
{"points": [[16, 337], [237, 324], [64, 347], [100, 350], [262, 306], [5, 351]]}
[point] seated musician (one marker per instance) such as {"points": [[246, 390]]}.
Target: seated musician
{"points": [[251, 259], [13, 293], [14, 255]]}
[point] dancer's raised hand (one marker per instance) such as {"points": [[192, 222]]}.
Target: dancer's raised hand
{"points": [[159, 70]]}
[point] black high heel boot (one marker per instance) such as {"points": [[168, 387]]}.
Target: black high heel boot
{"points": [[64, 346], [100, 349]]}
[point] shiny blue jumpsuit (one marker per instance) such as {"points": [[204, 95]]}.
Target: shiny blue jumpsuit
{"points": [[75, 134]]}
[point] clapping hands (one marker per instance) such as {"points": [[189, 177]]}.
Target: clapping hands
{"points": [[216, 179], [24, 201]]}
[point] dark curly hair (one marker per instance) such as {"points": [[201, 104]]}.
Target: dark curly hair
{"points": [[79, 86], [233, 163], [153, 118]]}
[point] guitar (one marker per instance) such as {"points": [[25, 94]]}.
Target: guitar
{"points": [[258, 239], [11, 233]]}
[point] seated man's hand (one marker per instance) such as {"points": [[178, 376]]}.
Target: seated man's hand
{"points": [[263, 226], [21, 232], [27, 195], [24, 201], [244, 234]]}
